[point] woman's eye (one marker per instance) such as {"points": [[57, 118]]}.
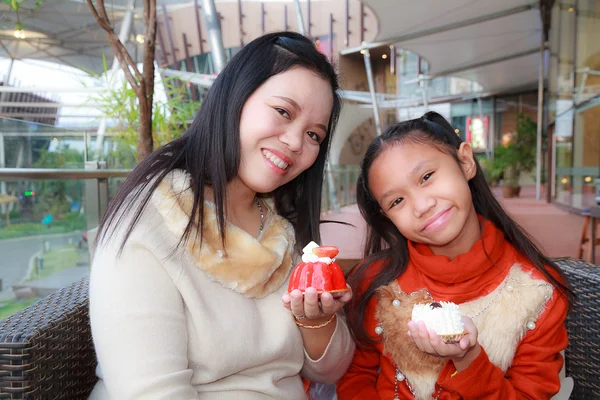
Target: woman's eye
{"points": [[314, 137], [396, 202], [426, 177], [284, 113]]}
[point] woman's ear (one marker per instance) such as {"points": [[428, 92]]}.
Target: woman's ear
{"points": [[467, 160]]}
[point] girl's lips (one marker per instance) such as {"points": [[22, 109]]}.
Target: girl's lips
{"points": [[438, 221]]}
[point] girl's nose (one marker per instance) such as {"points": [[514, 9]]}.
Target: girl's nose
{"points": [[423, 203]]}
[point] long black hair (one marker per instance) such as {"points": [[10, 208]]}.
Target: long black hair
{"points": [[209, 151], [386, 244]]}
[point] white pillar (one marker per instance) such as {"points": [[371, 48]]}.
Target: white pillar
{"points": [[299, 18], [369, 70], [215, 39], [540, 121]]}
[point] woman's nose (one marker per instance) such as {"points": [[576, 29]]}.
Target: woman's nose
{"points": [[292, 139]]}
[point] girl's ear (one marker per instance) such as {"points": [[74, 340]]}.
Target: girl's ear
{"points": [[467, 160]]}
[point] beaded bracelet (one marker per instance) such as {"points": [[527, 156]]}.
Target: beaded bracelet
{"points": [[301, 325]]}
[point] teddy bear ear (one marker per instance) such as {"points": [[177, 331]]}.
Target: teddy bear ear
{"points": [[385, 292]]}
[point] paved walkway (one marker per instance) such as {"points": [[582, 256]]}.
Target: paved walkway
{"points": [[555, 230]]}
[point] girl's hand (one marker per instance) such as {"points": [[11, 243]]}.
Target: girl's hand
{"points": [[312, 306], [462, 353]]}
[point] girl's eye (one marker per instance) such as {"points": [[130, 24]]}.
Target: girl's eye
{"points": [[426, 177], [396, 202], [283, 113], [314, 136]]}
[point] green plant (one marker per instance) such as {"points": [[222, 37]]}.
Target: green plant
{"points": [[55, 196], [518, 156], [171, 118], [16, 5]]}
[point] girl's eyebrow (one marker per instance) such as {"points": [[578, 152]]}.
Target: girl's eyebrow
{"points": [[417, 168], [414, 171]]}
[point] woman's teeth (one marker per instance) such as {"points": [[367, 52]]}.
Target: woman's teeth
{"points": [[274, 159]]}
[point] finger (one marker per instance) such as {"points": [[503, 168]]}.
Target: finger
{"points": [[415, 335], [440, 347], [346, 296], [297, 303], [424, 338], [464, 343], [328, 304], [311, 303]]}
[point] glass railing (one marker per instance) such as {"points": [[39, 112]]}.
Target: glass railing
{"points": [[45, 218], [344, 179]]}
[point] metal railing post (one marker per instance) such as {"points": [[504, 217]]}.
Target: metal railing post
{"points": [[3, 208], [96, 195]]}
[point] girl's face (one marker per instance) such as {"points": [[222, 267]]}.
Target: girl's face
{"points": [[282, 126], [426, 195]]}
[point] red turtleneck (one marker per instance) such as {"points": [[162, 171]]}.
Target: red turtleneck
{"points": [[537, 361]]}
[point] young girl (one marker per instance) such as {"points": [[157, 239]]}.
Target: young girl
{"points": [[195, 251], [436, 233]]}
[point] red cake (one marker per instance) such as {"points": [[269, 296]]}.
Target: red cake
{"points": [[318, 269]]}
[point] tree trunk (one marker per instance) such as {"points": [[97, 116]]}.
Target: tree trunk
{"points": [[145, 142], [142, 83]]}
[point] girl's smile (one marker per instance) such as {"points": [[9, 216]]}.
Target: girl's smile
{"points": [[425, 193], [438, 221]]}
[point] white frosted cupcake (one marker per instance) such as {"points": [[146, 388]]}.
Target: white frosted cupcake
{"points": [[443, 317]]}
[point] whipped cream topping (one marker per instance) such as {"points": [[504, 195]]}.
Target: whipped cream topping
{"points": [[443, 317], [309, 256]]}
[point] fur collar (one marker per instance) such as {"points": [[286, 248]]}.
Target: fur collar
{"points": [[254, 267]]}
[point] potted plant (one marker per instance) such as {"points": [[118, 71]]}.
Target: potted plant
{"points": [[516, 156]]}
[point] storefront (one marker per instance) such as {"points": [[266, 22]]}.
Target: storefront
{"points": [[574, 100]]}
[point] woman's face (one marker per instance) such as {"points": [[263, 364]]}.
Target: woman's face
{"points": [[282, 126]]}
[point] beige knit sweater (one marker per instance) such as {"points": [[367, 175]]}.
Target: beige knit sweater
{"points": [[200, 323]]}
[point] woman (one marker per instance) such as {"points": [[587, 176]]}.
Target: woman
{"points": [[195, 251]]}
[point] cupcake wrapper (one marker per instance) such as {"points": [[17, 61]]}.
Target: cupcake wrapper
{"points": [[452, 338]]}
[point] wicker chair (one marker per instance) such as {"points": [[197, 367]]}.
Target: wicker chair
{"points": [[583, 324], [46, 350]]}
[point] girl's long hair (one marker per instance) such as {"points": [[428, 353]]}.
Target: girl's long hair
{"points": [[386, 245], [210, 149]]}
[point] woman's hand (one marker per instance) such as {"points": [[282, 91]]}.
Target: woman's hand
{"points": [[312, 310], [462, 353], [309, 306]]}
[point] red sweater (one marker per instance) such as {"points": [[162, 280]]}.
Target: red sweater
{"points": [[537, 361]]}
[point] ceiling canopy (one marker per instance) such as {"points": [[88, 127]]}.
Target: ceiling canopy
{"points": [[495, 43], [64, 32]]}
